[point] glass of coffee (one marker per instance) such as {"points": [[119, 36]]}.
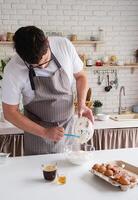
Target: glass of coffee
{"points": [[49, 172]]}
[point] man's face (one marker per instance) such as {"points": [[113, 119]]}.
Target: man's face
{"points": [[46, 58]]}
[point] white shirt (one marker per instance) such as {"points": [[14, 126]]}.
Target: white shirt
{"points": [[16, 81]]}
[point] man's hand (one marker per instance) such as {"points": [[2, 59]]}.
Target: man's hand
{"points": [[13, 115], [55, 133], [86, 112], [82, 88]]}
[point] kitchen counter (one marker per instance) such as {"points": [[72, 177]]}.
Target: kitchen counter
{"points": [[8, 128], [108, 134], [21, 178], [114, 124]]}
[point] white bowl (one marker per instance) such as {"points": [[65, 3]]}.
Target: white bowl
{"points": [[3, 157], [102, 117], [76, 156]]}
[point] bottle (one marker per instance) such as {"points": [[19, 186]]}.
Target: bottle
{"points": [[101, 34]]}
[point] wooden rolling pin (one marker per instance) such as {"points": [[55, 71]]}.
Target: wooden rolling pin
{"points": [[89, 94]]}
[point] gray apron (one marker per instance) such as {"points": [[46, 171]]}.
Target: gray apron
{"points": [[52, 105]]}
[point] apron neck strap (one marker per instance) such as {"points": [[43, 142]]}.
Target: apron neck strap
{"points": [[32, 74], [55, 60]]}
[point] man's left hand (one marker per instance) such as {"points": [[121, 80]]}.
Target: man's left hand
{"points": [[85, 112]]}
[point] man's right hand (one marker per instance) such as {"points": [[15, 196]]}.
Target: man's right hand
{"points": [[54, 133]]}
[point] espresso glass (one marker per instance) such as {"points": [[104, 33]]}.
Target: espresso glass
{"points": [[49, 172]]}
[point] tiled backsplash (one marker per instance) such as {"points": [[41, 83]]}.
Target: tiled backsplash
{"points": [[118, 19]]}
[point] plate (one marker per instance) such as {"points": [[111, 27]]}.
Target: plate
{"points": [[84, 128]]}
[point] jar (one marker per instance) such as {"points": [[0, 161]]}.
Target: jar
{"points": [[10, 36], [73, 37], [105, 59], [99, 63], [89, 62]]}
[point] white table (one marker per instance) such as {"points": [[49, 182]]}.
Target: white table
{"points": [[21, 178]]}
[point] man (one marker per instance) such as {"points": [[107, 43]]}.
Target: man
{"points": [[42, 72]]}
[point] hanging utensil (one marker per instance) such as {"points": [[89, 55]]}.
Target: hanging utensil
{"points": [[116, 80], [108, 87], [99, 79]]}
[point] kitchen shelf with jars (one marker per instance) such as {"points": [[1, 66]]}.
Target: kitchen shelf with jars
{"points": [[6, 42], [6, 38], [109, 63], [135, 66], [94, 40]]}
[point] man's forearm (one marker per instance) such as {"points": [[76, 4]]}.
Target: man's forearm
{"points": [[82, 88], [25, 123]]}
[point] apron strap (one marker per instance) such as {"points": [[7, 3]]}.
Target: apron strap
{"points": [[32, 74], [55, 60]]}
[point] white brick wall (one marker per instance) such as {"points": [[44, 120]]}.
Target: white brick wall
{"points": [[118, 18]]}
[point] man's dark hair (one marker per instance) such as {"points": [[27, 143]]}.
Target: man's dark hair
{"points": [[30, 43]]}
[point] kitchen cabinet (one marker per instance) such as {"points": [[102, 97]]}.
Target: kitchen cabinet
{"points": [[112, 134], [11, 139], [108, 134], [115, 138], [12, 143]]}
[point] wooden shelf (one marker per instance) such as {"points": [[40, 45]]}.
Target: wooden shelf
{"points": [[87, 42], [6, 42], [78, 42], [112, 67]]}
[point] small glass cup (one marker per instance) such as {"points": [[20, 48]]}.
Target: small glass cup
{"points": [[61, 179], [49, 172]]}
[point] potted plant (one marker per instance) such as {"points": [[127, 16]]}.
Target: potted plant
{"points": [[2, 66], [97, 107]]}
